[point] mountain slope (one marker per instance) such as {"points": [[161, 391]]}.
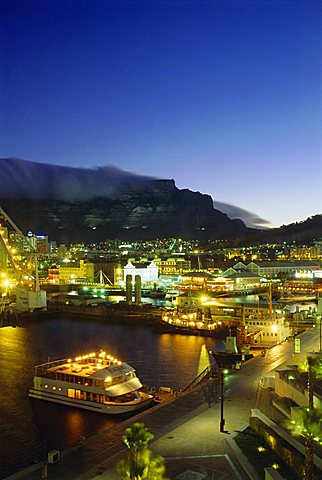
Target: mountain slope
{"points": [[92, 205], [305, 231]]}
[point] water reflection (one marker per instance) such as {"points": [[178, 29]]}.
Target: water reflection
{"points": [[159, 359], [59, 424]]}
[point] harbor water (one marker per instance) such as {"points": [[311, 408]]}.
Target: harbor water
{"points": [[29, 427]]}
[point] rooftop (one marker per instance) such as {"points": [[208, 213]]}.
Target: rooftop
{"points": [[92, 365]]}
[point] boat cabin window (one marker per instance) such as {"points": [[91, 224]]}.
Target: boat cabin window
{"points": [[73, 393], [118, 379]]}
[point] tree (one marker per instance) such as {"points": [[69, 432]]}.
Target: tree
{"points": [[313, 367], [307, 422], [140, 463]]}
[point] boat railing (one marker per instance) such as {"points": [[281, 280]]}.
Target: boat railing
{"points": [[44, 367]]}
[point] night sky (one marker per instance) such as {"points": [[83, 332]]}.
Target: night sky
{"points": [[223, 96]]}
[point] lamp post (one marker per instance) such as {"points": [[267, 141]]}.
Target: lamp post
{"points": [[223, 372], [222, 420], [220, 373]]}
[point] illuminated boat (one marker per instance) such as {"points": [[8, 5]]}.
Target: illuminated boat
{"points": [[189, 324], [96, 382]]}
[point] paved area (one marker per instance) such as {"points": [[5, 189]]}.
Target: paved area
{"points": [[219, 467], [187, 432], [194, 448], [186, 435]]}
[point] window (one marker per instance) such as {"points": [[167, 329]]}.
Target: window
{"points": [[71, 392], [79, 394]]}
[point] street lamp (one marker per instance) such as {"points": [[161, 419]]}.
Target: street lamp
{"points": [[223, 372], [220, 373]]}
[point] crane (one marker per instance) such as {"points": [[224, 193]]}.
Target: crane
{"points": [[37, 298], [8, 249]]}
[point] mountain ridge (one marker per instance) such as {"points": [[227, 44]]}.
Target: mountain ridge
{"points": [[74, 204], [87, 204]]}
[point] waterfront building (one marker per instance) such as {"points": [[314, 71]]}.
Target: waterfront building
{"points": [[302, 285], [53, 275], [200, 280], [72, 273], [273, 269], [203, 280], [148, 271], [172, 266], [245, 281], [30, 300]]}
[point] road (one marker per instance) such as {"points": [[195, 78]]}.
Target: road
{"points": [[246, 382]]}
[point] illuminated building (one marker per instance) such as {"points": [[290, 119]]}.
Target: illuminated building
{"points": [[84, 272], [205, 281], [309, 252], [272, 269], [53, 275], [304, 283], [147, 271], [18, 242], [196, 281], [172, 266], [245, 281], [41, 244]]}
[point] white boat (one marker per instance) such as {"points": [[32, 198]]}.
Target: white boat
{"points": [[96, 382]]}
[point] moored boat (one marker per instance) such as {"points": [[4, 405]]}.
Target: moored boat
{"points": [[96, 382], [188, 324]]}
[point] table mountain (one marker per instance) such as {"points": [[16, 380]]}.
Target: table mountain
{"points": [[74, 204]]}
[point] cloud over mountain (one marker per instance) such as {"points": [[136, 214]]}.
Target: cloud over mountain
{"points": [[25, 179], [105, 202], [249, 218], [33, 180]]}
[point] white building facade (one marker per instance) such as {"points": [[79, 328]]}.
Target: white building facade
{"points": [[148, 273]]}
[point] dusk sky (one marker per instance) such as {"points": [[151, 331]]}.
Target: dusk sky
{"points": [[223, 96]]}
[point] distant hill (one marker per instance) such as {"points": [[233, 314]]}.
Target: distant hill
{"points": [[301, 232], [73, 204]]}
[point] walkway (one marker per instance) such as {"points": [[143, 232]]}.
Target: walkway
{"points": [[186, 430]]}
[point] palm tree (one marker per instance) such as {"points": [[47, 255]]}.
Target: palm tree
{"points": [[140, 464], [313, 367], [307, 422]]}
